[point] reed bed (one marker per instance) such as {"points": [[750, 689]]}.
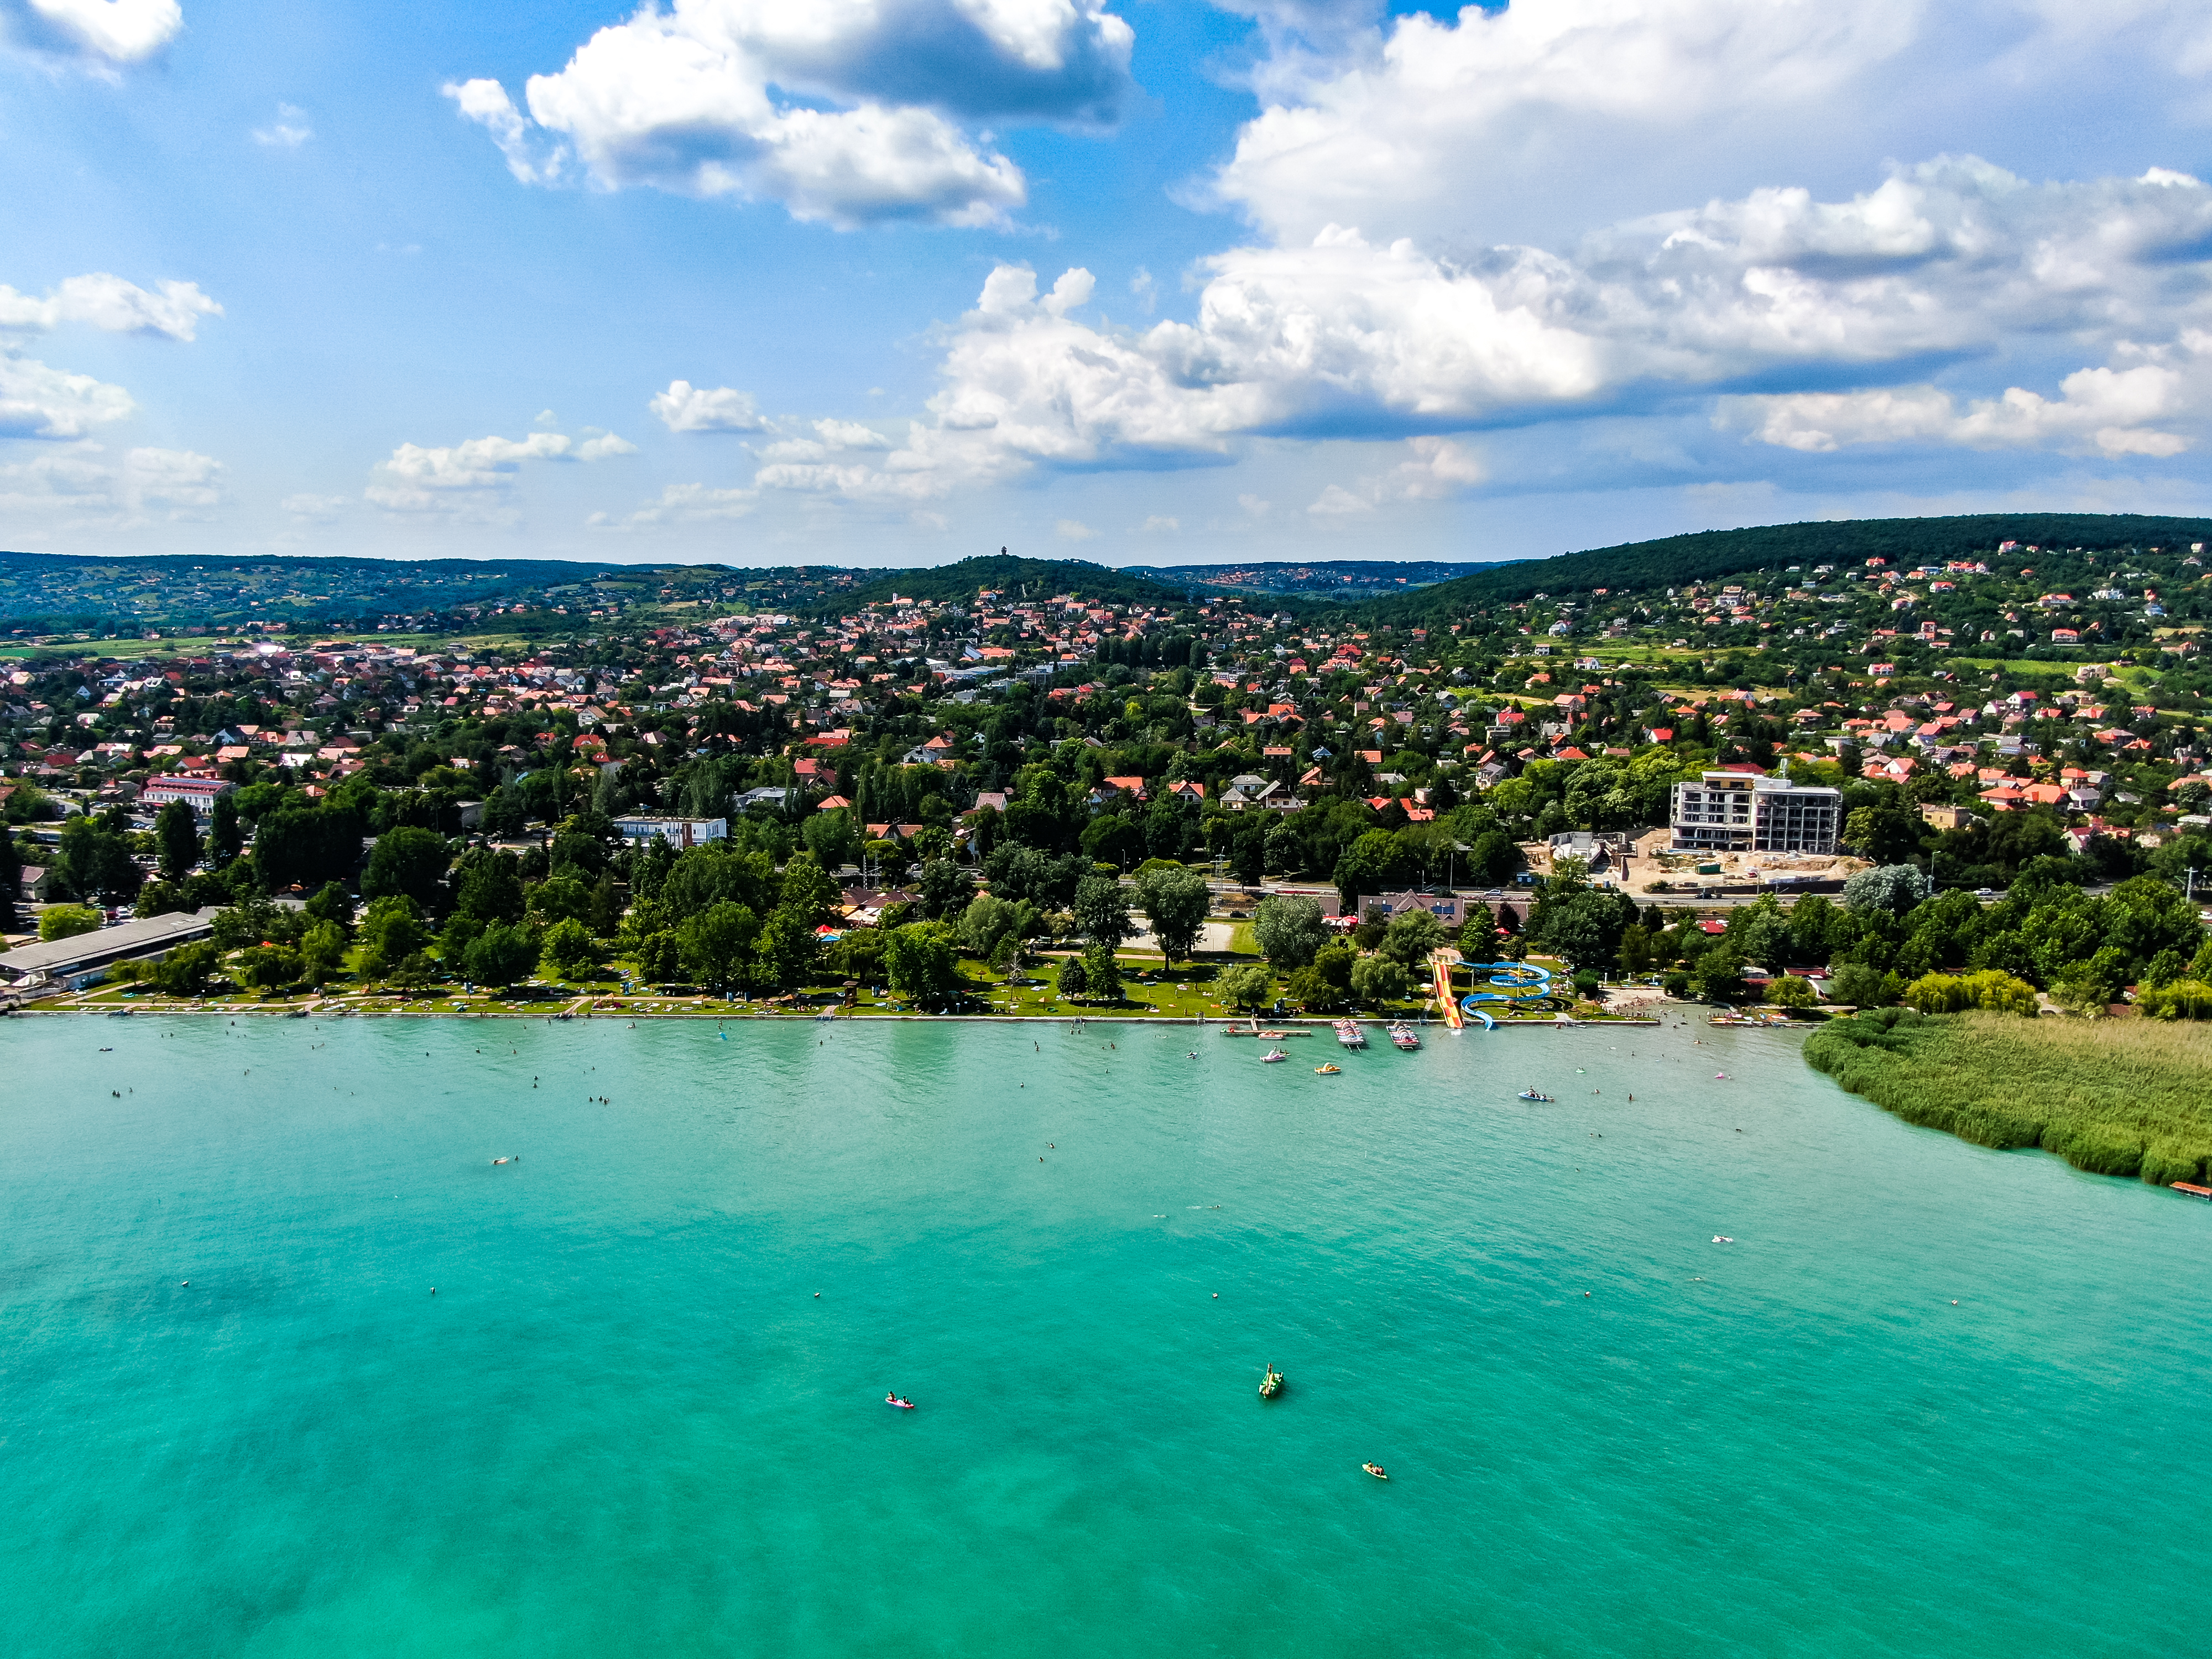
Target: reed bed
{"points": [[2122, 1097]]}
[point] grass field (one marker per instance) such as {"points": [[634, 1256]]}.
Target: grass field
{"points": [[2123, 1097]]}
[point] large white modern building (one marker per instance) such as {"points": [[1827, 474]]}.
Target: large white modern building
{"points": [[678, 833], [1745, 812]]}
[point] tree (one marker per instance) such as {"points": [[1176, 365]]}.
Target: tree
{"points": [[1377, 979], [1101, 972], [1887, 834], [490, 887], [226, 840], [1761, 931], [1113, 838], [1858, 984], [1247, 987], [11, 878], [176, 841], [334, 904], [563, 897], [1371, 864], [807, 890], [391, 929], [569, 948], [943, 889], [659, 958], [1718, 975], [1638, 954], [415, 971], [2183, 999], [1289, 932], [717, 942], [1586, 928], [184, 972], [307, 846], [989, 920], [1334, 962], [503, 953], [2092, 987], [1409, 938], [96, 861], [407, 861], [67, 920], [1247, 848], [1895, 888], [832, 837], [1313, 991], [1990, 990], [1175, 901], [606, 906], [269, 966], [1792, 991], [322, 953], [1101, 910], [922, 961], [787, 949], [1070, 978], [1496, 858]]}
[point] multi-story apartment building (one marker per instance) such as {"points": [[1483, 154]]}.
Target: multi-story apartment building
{"points": [[1745, 812]]}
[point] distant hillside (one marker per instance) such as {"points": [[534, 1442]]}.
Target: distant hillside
{"points": [[56, 592], [1036, 578], [1673, 561], [1314, 579]]}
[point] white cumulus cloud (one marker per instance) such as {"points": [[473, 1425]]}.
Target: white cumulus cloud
{"points": [[83, 490], [1398, 124], [101, 32], [1952, 260], [471, 482], [1073, 530], [687, 408], [39, 402], [107, 302], [288, 131], [2123, 411], [847, 112]]}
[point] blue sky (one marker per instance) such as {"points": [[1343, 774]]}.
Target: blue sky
{"points": [[886, 281]]}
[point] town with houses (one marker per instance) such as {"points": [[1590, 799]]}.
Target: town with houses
{"points": [[1750, 776]]}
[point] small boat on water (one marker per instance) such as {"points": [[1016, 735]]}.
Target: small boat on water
{"points": [[893, 1400], [1402, 1036], [1532, 1094], [1349, 1034], [1272, 1385], [1274, 1054], [1330, 1071], [1375, 1469]]}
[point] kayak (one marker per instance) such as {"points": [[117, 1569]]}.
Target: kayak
{"points": [[902, 1405]]}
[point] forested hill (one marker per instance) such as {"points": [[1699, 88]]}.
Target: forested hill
{"points": [[1036, 578], [1673, 561]]}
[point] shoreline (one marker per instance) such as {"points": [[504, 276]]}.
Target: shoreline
{"points": [[635, 1014]]}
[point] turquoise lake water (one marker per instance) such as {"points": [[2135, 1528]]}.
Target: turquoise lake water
{"points": [[626, 1425]]}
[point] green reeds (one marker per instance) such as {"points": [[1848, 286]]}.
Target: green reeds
{"points": [[2123, 1097]]}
